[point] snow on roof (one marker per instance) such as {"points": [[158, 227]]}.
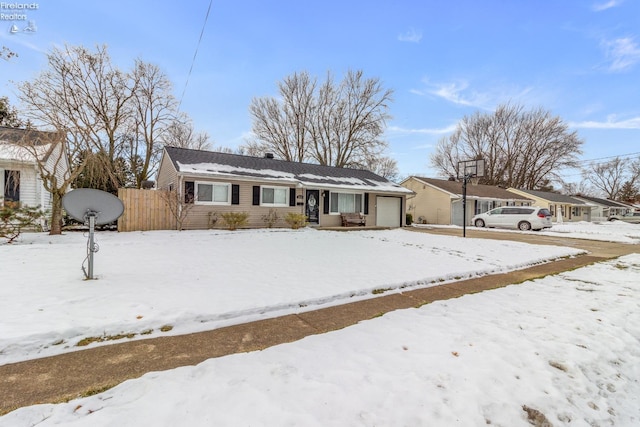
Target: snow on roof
{"points": [[220, 169], [213, 164], [18, 153]]}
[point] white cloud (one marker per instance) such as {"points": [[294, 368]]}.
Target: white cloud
{"points": [[459, 92], [422, 131], [622, 53], [612, 122], [599, 7], [412, 36]]}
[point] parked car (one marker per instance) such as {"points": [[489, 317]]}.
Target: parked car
{"points": [[632, 217], [519, 217]]}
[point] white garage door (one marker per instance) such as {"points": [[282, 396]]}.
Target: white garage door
{"points": [[388, 211]]}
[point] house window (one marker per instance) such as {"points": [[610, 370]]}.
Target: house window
{"points": [[12, 185], [575, 211], [274, 196], [213, 194], [345, 203]]}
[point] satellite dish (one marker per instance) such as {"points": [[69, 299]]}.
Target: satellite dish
{"points": [[82, 202], [95, 207]]}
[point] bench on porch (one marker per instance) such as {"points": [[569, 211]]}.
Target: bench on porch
{"points": [[353, 218]]}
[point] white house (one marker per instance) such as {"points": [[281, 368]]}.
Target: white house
{"points": [[20, 175]]}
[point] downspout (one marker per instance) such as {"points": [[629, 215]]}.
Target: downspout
{"points": [[180, 200]]}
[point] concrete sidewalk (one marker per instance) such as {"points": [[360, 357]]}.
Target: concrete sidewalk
{"points": [[64, 377]]}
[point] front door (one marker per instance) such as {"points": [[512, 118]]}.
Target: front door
{"points": [[312, 209]]}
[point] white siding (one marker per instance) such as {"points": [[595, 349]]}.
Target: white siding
{"points": [[29, 194]]}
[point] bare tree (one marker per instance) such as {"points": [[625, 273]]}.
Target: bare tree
{"points": [[281, 125], [610, 177], [154, 113], [179, 205], [350, 120], [581, 188], [82, 93], [386, 167], [332, 124], [180, 133], [119, 118], [521, 149]]}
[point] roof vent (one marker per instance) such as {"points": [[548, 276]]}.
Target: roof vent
{"points": [[268, 155]]}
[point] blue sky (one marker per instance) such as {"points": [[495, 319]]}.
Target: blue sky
{"points": [[579, 59]]}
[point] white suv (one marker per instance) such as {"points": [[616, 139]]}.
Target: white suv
{"points": [[519, 217]]}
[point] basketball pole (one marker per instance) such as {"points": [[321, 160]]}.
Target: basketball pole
{"points": [[464, 204], [92, 227]]}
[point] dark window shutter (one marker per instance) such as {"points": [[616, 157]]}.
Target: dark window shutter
{"points": [[256, 195], [366, 203], [292, 197], [189, 191], [325, 206], [235, 194]]}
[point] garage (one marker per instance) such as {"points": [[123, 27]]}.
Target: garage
{"points": [[388, 211]]}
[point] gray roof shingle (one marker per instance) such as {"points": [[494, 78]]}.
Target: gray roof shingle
{"points": [[211, 163], [479, 191], [553, 197], [603, 202]]}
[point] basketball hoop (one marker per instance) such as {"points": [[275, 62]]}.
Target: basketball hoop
{"points": [[469, 170]]}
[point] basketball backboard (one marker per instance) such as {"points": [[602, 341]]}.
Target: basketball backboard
{"points": [[471, 168]]}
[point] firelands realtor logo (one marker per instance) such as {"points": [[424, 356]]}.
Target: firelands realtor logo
{"points": [[18, 14]]}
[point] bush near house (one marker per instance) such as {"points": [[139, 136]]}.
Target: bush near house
{"points": [[296, 220], [271, 218], [15, 218], [235, 219]]}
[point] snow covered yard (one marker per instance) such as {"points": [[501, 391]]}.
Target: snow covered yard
{"points": [[608, 231], [614, 231], [563, 350], [198, 280]]}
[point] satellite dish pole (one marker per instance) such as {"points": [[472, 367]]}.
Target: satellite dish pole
{"points": [[92, 207], [91, 248]]}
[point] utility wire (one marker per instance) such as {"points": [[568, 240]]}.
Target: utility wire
{"points": [[195, 54], [609, 157]]}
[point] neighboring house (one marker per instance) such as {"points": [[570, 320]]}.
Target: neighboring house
{"points": [[601, 209], [220, 182], [439, 201], [562, 207], [20, 178]]}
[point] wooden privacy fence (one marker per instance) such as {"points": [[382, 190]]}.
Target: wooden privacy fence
{"points": [[144, 210]]}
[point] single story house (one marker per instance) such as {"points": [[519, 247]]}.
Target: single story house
{"points": [[562, 207], [439, 201], [20, 175], [220, 182], [601, 209]]}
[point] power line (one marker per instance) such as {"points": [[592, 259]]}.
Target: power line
{"points": [[593, 160], [609, 157], [195, 54]]}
